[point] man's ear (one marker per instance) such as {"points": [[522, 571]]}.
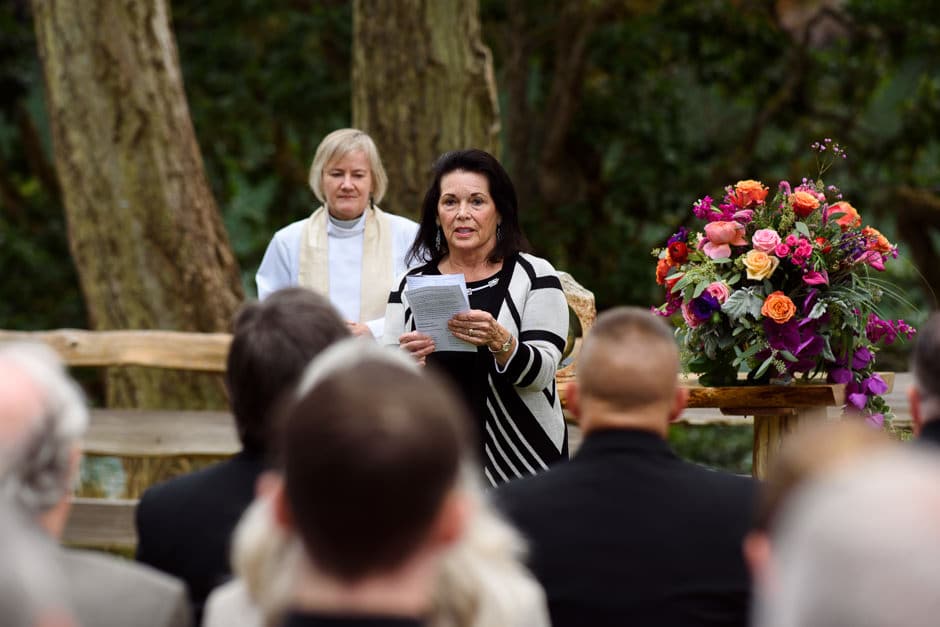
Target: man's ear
{"points": [[280, 508], [679, 402], [917, 416], [573, 400], [757, 555]]}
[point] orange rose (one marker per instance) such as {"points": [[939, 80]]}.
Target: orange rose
{"points": [[662, 269], [875, 240], [803, 203], [778, 307], [748, 193], [851, 217]]}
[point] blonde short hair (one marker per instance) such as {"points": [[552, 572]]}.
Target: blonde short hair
{"points": [[340, 143]]}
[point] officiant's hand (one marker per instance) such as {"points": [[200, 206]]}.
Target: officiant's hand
{"points": [[418, 344]]}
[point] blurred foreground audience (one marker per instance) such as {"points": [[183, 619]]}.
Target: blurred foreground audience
{"points": [[810, 453], [860, 548], [185, 525], [627, 533], [44, 417]]}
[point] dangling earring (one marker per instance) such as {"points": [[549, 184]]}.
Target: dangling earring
{"points": [[499, 232], [437, 239]]}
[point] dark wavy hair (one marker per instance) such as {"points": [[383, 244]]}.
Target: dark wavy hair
{"points": [[510, 239]]}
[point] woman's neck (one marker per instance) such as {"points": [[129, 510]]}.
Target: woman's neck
{"points": [[474, 267]]}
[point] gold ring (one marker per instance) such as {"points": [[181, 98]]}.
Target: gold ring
{"points": [[470, 332]]}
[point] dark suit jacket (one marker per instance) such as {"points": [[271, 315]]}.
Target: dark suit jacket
{"points": [[626, 533], [184, 525], [930, 432]]}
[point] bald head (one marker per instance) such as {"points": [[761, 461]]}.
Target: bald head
{"points": [[43, 416], [629, 359], [21, 409]]}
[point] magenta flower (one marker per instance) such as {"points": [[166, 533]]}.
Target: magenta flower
{"points": [[874, 385], [861, 358], [876, 420], [816, 278], [840, 375]]}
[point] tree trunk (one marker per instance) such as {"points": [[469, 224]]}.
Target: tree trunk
{"points": [[422, 84], [144, 230]]}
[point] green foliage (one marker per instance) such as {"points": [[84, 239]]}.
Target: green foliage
{"points": [[725, 447]]}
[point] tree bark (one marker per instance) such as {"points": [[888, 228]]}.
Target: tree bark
{"points": [[422, 84], [144, 229]]}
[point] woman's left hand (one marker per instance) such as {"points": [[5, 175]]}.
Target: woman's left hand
{"points": [[479, 328]]}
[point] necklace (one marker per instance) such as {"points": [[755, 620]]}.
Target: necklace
{"points": [[490, 283]]}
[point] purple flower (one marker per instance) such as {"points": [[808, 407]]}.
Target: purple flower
{"points": [[784, 187], [874, 385], [743, 216], [856, 400], [876, 420], [682, 235], [784, 336], [861, 358], [839, 375], [704, 306]]}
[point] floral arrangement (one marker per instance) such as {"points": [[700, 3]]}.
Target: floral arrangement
{"points": [[782, 287]]}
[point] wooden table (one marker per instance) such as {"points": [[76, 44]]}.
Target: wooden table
{"points": [[777, 409]]}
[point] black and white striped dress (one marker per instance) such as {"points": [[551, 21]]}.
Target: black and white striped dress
{"points": [[521, 423]]}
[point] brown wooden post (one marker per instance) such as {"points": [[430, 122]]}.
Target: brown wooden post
{"points": [[770, 431]]}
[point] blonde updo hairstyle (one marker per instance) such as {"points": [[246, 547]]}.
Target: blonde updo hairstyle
{"points": [[340, 143]]}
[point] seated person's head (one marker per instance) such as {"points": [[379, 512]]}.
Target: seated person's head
{"points": [[860, 547], [44, 423], [371, 450], [813, 451], [924, 394], [627, 373], [273, 341]]}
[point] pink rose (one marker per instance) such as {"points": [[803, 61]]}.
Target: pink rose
{"points": [[721, 236], [720, 290], [782, 250], [765, 240]]}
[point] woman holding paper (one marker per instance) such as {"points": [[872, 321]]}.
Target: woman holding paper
{"points": [[348, 249], [517, 319]]}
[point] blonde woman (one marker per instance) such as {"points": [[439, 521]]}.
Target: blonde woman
{"points": [[348, 249]]}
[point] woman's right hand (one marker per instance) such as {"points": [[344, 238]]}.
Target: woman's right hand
{"points": [[418, 344]]}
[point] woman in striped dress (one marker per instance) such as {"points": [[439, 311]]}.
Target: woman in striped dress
{"points": [[518, 317]]}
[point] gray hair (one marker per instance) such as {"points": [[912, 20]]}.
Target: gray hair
{"points": [[860, 548], [41, 470], [340, 143]]}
